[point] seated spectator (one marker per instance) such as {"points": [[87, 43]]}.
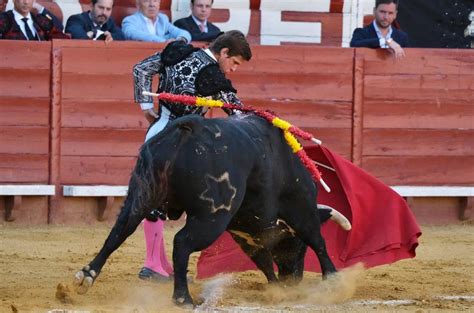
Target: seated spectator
{"points": [[37, 9], [3, 5], [95, 24], [197, 24], [21, 23], [147, 24], [380, 33]]}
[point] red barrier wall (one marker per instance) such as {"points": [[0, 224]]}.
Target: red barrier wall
{"points": [[25, 80], [67, 115], [24, 111], [418, 117]]}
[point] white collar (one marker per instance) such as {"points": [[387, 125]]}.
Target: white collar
{"points": [[150, 25], [18, 16], [379, 33], [149, 20], [209, 53], [198, 22]]}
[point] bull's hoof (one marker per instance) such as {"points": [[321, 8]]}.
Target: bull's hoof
{"points": [[289, 281], [84, 279], [329, 275], [184, 301]]}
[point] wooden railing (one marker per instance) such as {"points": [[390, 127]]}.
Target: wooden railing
{"points": [[67, 115]]}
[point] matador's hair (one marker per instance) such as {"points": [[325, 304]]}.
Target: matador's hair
{"points": [[235, 41]]}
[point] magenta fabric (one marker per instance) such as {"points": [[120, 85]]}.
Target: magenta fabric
{"points": [[156, 259]]}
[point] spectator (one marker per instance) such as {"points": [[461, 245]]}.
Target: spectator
{"points": [[37, 9], [95, 24], [197, 23], [21, 23], [147, 24], [183, 70], [380, 33], [3, 5]]}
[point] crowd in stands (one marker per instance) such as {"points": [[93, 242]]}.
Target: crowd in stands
{"points": [[29, 20]]}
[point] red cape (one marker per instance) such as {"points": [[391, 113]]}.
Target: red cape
{"points": [[384, 229]]}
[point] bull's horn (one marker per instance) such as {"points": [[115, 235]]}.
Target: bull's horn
{"points": [[337, 217]]}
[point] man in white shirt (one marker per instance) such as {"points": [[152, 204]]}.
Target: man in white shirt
{"points": [[380, 33], [21, 24], [198, 22], [148, 24]]}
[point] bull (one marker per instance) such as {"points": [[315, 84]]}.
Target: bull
{"points": [[236, 174]]}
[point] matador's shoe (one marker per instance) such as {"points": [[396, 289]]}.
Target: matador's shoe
{"points": [[151, 275]]}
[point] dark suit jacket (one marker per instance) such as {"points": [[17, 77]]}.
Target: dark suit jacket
{"points": [[367, 37], [57, 23], [79, 24], [188, 24], [44, 27]]}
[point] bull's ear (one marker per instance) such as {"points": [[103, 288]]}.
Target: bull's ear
{"points": [[211, 80]]}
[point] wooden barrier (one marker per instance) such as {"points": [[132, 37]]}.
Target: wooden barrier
{"points": [[418, 117], [418, 123], [68, 117], [24, 125], [311, 87]]}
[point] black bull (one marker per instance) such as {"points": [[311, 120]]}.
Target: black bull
{"points": [[236, 174]]}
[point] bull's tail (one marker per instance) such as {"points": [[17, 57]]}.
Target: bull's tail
{"points": [[155, 163], [327, 212], [145, 182]]}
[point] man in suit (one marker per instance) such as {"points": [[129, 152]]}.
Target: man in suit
{"points": [[95, 24], [197, 23], [21, 24], [380, 33], [147, 24], [38, 9]]}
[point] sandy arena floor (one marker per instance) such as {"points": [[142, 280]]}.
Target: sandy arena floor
{"points": [[35, 260]]}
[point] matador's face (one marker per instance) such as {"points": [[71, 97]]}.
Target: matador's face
{"points": [[228, 63]]}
